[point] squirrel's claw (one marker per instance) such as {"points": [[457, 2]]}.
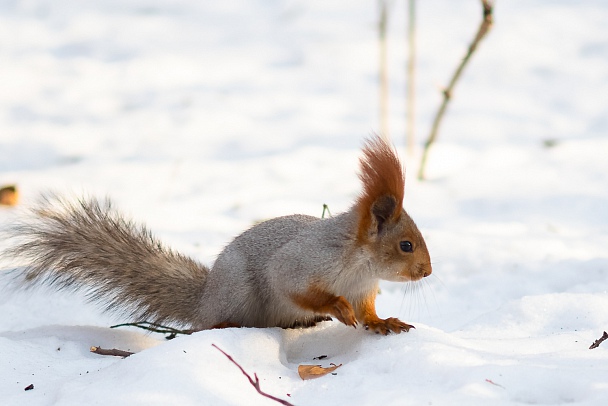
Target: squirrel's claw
{"points": [[384, 327]]}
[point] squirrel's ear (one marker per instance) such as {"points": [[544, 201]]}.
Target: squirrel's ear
{"points": [[383, 209], [382, 197]]}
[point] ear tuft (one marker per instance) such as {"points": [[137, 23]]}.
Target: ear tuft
{"points": [[382, 198]]}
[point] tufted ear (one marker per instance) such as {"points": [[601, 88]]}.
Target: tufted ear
{"points": [[382, 196], [383, 210]]}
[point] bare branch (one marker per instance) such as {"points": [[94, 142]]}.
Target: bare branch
{"points": [[156, 328], [113, 352], [255, 383], [600, 340], [411, 79], [383, 69], [484, 27]]}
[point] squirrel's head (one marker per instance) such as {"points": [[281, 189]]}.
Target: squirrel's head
{"points": [[384, 228]]}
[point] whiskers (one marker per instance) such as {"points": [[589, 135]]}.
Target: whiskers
{"points": [[419, 297]]}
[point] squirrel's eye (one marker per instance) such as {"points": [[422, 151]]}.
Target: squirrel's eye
{"points": [[406, 246]]}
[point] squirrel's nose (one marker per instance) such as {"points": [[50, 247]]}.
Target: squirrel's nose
{"points": [[427, 271]]}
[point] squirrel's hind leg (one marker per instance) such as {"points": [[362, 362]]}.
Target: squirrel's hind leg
{"points": [[310, 322]]}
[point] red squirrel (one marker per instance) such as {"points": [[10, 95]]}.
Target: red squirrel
{"points": [[285, 272]]}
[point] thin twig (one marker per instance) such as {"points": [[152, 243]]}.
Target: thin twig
{"points": [[113, 352], [383, 68], [484, 27], [256, 383], [600, 340], [325, 209], [494, 383], [411, 79], [155, 328]]}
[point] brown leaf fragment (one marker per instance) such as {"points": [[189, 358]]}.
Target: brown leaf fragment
{"points": [[8, 195], [600, 340], [114, 352], [315, 371]]}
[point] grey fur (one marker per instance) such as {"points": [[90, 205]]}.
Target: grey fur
{"points": [[256, 281], [87, 245]]}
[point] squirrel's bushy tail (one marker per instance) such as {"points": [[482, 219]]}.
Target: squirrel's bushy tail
{"points": [[87, 245]]}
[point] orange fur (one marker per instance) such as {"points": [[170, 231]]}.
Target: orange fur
{"points": [[366, 309], [381, 175], [322, 302], [366, 312]]}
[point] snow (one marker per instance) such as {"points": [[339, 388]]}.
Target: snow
{"points": [[200, 118]]}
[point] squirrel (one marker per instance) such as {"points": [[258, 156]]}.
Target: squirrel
{"points": [[289, 271]]}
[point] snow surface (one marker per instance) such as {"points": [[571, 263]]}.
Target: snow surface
{"points": [[200, 118]]}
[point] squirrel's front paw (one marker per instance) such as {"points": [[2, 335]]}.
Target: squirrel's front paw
{"points": [[380, 326], [324, 303], [343, 311]]}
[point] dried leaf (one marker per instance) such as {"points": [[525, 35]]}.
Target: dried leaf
{"points": [[315, 371], [8, 195]]}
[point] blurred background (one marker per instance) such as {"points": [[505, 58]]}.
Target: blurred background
{"points": [[118, 79]]}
